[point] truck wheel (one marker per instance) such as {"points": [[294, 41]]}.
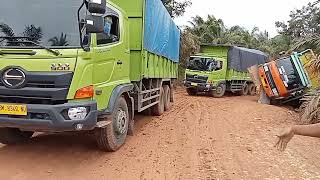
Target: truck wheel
{"points": [[244, 90], [158, 110], [112, 137], [220, 91], [191, 91], [14, 136], [167, 99], [172, 95], [252, 90]]}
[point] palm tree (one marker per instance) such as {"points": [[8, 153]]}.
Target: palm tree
{"points": [[6, 30], [237, 35], [310, 108], [207, 31], [34, 33], [310, 41], [62, 41], [197, 26]]}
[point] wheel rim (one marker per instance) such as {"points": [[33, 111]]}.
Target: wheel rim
{"points": [[219, 90], [121, 122]]}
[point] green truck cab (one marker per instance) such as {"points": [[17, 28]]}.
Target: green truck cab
{"points": [[84, 66], [218, 68]]}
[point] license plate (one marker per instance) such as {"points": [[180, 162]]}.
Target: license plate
{"points": [[194, 84], [13, 109]]}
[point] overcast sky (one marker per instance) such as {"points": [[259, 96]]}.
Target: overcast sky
{"points": [[246, 13]]}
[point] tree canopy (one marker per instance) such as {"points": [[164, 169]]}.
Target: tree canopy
{"points": [[301, 31], [176, 8]]}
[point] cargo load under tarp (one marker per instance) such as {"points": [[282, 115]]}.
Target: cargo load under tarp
{"points": [[162, 36], [240, 59]]}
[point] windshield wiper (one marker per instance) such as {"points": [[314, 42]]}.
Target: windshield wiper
{"points": [[55, 52]]}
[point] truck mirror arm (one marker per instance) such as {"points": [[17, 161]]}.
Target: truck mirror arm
{"points": [[81, 26]]}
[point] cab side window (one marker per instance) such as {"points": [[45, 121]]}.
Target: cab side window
{"points": [[111, 32], [215, 65], [218, 65]]}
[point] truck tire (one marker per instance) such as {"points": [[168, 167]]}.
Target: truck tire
{"points": [[252, 89], [158, 109], [167, 99], [112, 137], [219, 92], [192, 91], [172, 95], [14, 136], [244, 90]]}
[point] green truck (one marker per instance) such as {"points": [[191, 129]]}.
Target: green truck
{"points": [[84, 65], [219, 68]]}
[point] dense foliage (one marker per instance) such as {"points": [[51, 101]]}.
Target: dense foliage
{"points": [[176, 8], [300, 32], [303, 27]]}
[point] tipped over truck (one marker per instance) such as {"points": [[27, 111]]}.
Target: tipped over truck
{"points": [[287, 79], [217, 69], [89, 67]]}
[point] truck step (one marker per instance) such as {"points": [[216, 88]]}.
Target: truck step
{"points": [[236, 86]]}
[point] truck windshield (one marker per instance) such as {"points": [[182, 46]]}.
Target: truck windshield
{"points": [[51, 23], [289, 73], [204, 64]]}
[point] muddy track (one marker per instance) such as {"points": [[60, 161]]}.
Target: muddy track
{"points": [[200, 138]]}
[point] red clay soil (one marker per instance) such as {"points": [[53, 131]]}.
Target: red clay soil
{"points": [[200, 138]]}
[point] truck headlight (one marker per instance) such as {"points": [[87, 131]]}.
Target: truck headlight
{"points": [[78, 113], [275, 92]]}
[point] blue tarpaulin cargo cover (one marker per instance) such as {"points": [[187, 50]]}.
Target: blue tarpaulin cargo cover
{"points": [[162, 36]]}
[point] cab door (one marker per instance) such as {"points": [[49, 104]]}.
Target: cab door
{"points": [[112, 59], [218, 73]]}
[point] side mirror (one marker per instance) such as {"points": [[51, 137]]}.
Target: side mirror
{"points": [[94, 24], [97, 6]]}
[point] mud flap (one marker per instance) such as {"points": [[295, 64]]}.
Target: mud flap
{"points": [[131, 122]]}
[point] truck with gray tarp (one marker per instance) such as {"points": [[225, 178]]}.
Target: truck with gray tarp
{"points": [[219, 68]]}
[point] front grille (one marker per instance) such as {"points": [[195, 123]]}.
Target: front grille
{"points": [[36, 84], [40, 88], [196, 78], [270, 79]]}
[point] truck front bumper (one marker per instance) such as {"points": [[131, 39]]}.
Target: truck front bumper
{"points": [[201, 87], [52, 118]]}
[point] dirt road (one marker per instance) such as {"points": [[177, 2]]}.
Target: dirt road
{"points": [[200, 138]]}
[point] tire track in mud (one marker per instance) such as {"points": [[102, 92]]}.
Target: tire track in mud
{"points": [[202, 119], [174, 139]]}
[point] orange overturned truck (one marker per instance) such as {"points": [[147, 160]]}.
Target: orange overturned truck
{"points": [[286, 79]]}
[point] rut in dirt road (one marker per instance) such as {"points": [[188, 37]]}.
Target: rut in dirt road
{"points": [[200, 138]]}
